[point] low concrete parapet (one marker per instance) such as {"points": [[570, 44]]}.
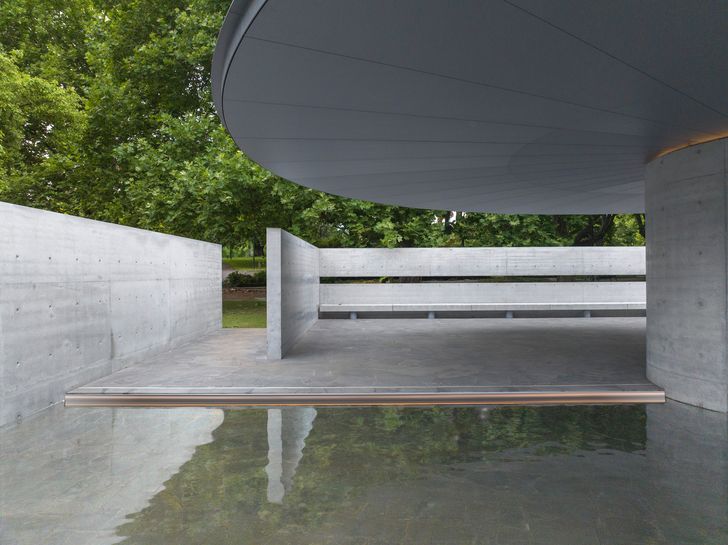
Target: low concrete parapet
{"points": [[460, 262], [482, 299]]}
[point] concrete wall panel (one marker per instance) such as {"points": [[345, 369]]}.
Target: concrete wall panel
{"points": [[472, 293], [292, 290], [82, 298], [687, 329], [373, 262], [191, 302]]}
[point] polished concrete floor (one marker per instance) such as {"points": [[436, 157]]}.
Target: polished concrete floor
{"points": [[385, 355]]}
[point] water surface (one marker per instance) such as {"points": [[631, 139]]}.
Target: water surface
{"points": [[528, 475]]}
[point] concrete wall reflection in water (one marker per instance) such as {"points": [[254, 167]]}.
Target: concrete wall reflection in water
{"points": [[72, 476], [287, 432], [687, 455]]}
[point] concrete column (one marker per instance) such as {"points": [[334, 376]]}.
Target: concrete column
{"points": [[687, 305]]}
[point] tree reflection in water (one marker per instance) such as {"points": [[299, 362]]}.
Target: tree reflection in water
{"points": [[448, 475]]}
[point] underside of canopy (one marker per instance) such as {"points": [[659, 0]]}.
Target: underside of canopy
{"points": [[511, 106]]}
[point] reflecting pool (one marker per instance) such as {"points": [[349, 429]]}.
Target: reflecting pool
{"points": [[512, 475]]}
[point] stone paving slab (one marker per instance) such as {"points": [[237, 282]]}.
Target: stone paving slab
{"points": [[449, 355]]}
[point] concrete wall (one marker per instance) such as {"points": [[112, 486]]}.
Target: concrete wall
{"points": [[471, 292], [295, 268], [363, 262], [81, 298], [292, 290], [687, 333]]}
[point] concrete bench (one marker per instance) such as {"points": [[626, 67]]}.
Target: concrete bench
{"points": [[485, 307], [479, 299]]}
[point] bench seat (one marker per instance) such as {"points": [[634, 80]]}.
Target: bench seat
{"points": [[481, 307]]}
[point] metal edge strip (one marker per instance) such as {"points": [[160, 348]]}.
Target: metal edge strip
{"points": [[592, 397]]}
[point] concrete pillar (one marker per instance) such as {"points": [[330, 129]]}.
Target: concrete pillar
{"points": [[687, 259]]}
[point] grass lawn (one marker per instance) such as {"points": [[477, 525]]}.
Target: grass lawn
{"points": [[243, 314], [245, 263]]}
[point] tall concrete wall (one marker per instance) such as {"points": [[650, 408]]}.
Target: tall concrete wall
{"points": [[588, 261], [292, 290], [687, 262], [81, 298]]}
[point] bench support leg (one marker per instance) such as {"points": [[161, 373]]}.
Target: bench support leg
{"points": [[352, 315], [509, 314], [431, 315], [587, 314]]}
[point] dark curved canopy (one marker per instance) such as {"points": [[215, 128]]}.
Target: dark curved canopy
{"points": [[514, 106]]}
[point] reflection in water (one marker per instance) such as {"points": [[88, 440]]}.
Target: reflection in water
{"points": [[687, 461], [551, 475], [72, 475], [287, 432]]}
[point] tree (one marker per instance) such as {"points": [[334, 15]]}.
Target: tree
{"points": [[41, 127], [190, 179], [49, 39]]}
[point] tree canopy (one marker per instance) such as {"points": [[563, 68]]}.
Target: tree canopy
{"points": [[106, 113]]}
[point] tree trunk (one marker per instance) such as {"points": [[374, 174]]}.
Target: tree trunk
{"points": [[589, 236], [258, 248]]}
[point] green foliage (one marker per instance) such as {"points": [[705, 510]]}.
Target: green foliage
{"points": [[245, 263], [105, 112], [479, 229], [49, 39], [243, 314], [629, 230], [331, 221], [238, 279], [41, 128]]}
